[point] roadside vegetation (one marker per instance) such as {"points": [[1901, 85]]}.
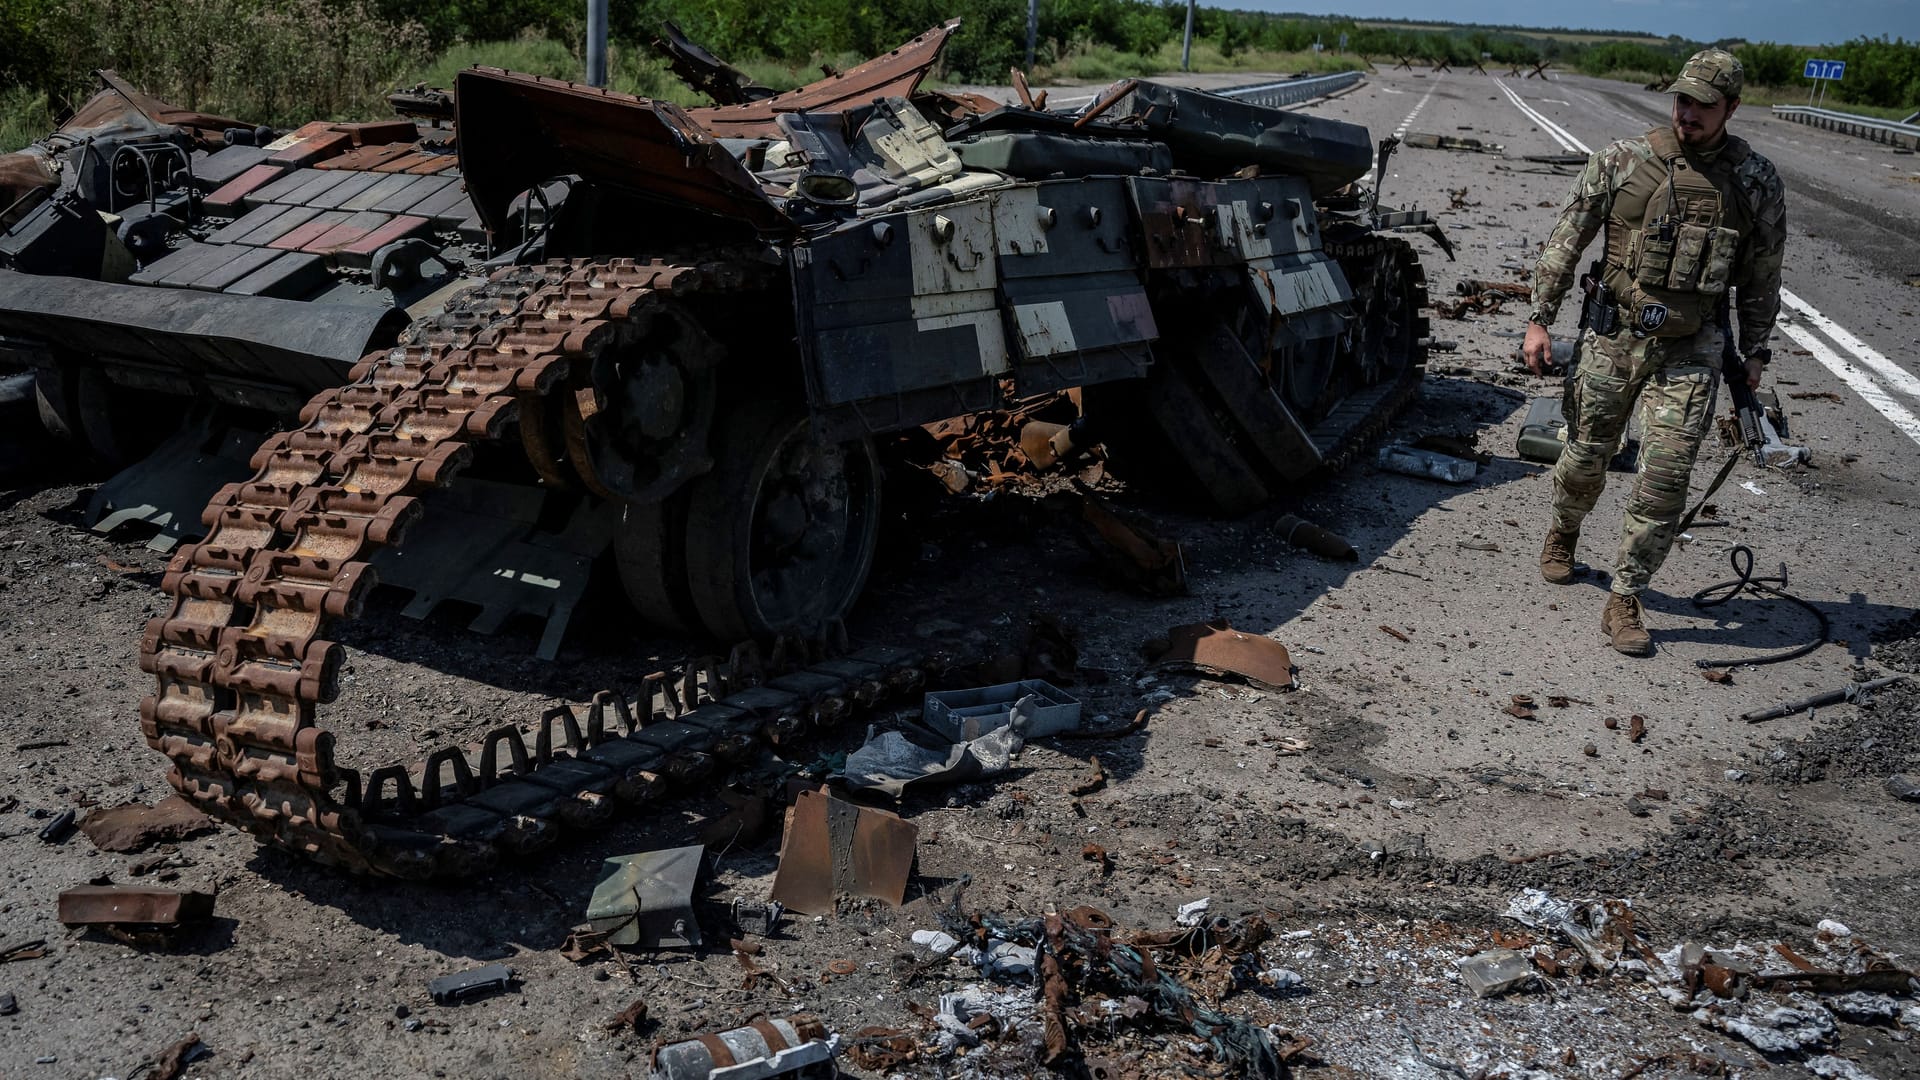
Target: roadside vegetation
{"points": [[285, 61]]}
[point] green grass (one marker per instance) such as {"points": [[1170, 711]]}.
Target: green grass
{"points": [[629, 71], [24, 117], [1584, 37]]}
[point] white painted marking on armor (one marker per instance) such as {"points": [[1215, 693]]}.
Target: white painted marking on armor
{"points": [[1895, 375], [1045, 328], [1858, 381], [1554, 131]]}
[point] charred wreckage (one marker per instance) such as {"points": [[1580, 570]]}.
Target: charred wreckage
{"points": [[671, 334]]}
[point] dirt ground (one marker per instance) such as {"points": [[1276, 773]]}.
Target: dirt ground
{"points": [[1378, 820]]}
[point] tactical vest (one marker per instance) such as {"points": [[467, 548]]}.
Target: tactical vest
{"points": [[1672, 234]]}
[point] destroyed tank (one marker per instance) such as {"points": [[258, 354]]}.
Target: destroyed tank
{"points": [[672, 335]]}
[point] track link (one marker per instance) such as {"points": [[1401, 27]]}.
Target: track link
{"points": [[241, 664]]}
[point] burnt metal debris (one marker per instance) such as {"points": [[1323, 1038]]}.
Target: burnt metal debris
{"points": [[647, 899], [790, 1048], [476, 982], [1218, 647], [560, 271], [133, 907], [832, 848]]}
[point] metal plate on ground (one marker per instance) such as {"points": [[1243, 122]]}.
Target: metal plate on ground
{"points": [[832, 846], [168, 488], [647, 899], [483, 544]]}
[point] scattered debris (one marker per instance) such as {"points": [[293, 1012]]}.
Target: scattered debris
{"points": [[831, 847], [1408, 461], [133, 907], [1420, 140], [23, 950], [1718, 675], [1494, 972], [477, 982], [1190, 914], [881, 1049], [764, 1048], [1901, 787], [647, 899], [41, 744], [1856, 693], [1033, 708], [1125, 546], [61, 827], [1215, 648], [761, 920], [1081, 959], [1815, 395], [1480, 287], [1097, 855], [892, 761], [1601, 929], [1307, 536], [1094, 781], [137, 826], [1636, 728], [1391, 632], [175, 1059], [629, 1019], [8, 1004]]}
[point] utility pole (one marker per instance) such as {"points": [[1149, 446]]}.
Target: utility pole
{"points": [[596, 42], [1033, 29], [1186, 43]]}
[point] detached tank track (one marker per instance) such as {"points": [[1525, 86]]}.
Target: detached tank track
{"points": [[241, 666]]}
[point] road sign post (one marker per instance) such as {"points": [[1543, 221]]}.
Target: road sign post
{"points": [[1822, 72]]}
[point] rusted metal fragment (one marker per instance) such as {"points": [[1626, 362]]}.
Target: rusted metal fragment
{"points": [[174, 1059], [1218, 647], [132, 905], [705, 72], [833, 847], [1136, 556], [136, 826], [896, 74], [518, 130]]}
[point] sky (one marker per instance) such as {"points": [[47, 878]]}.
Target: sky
{"points": [[1793, 22]]}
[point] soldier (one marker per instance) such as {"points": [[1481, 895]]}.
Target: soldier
{"points": [[1685, 211]]}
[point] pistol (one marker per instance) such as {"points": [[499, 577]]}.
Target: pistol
{"points": [[1598, 312]]}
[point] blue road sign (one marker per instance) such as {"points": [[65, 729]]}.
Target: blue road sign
{"points": [[1825, 69]]}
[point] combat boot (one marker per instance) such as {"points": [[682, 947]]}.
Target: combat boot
{"points": [[1556, 558], [1621, 622]]}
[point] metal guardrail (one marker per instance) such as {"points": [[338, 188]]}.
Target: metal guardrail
{"points": [[1273, 94], [1865, 127], [1293, 91]]}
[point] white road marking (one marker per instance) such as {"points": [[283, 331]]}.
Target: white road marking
{"points": [[1370, 180], [1554, 131], [1868, 390], [1895, 375]]}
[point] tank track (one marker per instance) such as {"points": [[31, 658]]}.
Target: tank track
{"points": [[241, 665], [1378, 406]]}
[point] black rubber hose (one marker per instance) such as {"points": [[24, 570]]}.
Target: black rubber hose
{"points": [[1720, 592]]}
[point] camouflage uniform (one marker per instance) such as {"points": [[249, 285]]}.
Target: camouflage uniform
{"points": [[1672, 379]]}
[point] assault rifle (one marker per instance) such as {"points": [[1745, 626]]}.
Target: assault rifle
{"points": [[1746, 407]]}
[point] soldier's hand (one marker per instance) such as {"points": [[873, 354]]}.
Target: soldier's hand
{"points": [[1753, 374], [1537, 350]]}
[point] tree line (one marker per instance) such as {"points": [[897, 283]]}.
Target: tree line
{"points": [[281, 60]]}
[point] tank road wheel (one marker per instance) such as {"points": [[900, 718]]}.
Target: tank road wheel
{"points": [[781, 534], [650, 551], [78, 405], [639, 409]]}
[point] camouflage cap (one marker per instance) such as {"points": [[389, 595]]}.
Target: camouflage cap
{"points": [[1710, 75]]}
